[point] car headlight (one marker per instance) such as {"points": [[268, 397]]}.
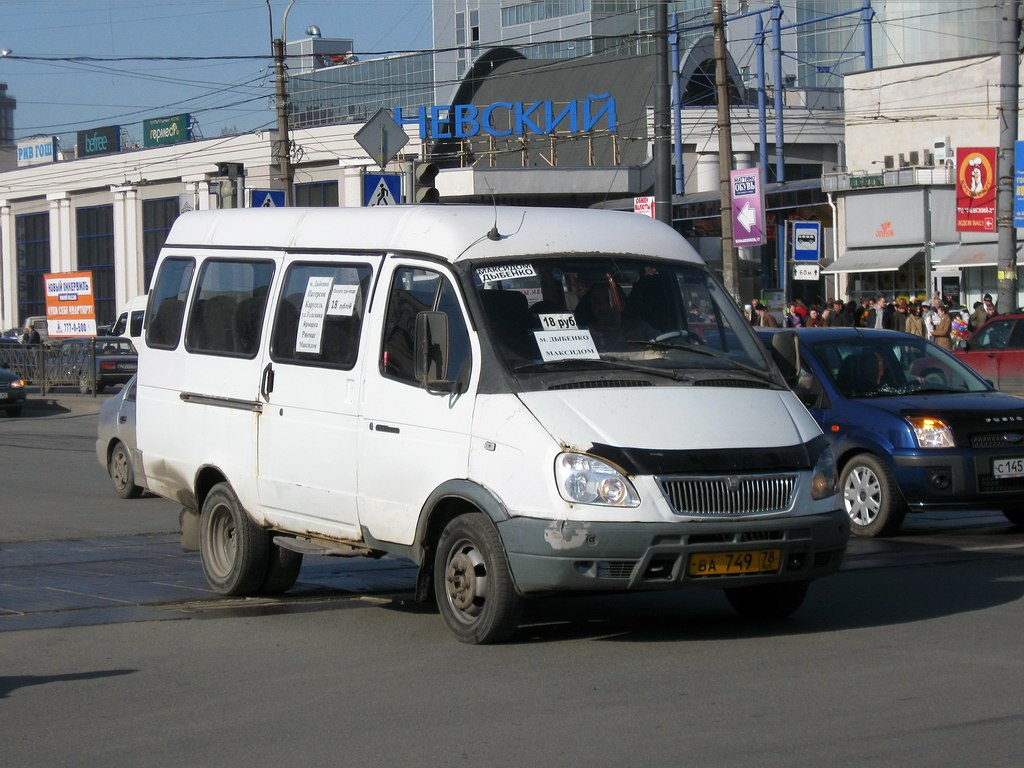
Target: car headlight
{"points": [[18, 384], [931, 433], [825, 477], [586, 480]]}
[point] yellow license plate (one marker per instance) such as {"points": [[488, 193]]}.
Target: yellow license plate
{"points": [[732, 563]]}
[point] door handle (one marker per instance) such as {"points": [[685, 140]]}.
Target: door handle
{"points": [[267, 382], [386, 428]]}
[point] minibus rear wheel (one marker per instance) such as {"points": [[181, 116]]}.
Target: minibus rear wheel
{"points": [[234, 550], [473, 583]]}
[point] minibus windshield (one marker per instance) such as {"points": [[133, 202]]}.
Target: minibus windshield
{"points": [[577, 312]]}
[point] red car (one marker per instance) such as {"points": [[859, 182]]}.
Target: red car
{"points": [[996, 351]]}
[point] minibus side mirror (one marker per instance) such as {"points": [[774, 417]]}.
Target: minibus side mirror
{"points": [[786, 355], [431, 354]]}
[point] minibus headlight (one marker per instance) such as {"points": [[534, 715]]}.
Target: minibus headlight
{"points": [[586, 480], [931, 433], [18, 384], [825, 477]]}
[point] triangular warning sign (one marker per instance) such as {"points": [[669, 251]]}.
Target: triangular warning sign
{"points": [[268, 202], [382, 195]]}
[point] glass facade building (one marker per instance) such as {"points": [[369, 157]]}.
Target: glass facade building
{"points": [[352, 93]]}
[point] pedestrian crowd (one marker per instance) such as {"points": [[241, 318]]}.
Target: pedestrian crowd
{"points": [[940, 320]]}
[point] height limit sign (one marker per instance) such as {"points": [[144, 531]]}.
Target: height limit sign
{"points": [[747, 208]]}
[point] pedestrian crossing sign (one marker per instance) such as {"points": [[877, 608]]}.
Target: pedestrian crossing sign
{"points": [[266, 198], [382, 189]]}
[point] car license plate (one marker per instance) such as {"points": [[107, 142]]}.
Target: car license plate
{"points": [[1006, 468], [3, 395], [731, 563], [126, 366]]}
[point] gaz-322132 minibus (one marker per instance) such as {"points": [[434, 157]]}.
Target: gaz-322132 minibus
{"points": [[519, 400]]}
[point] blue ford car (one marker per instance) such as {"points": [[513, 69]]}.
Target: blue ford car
{"points": [[912, 427]]}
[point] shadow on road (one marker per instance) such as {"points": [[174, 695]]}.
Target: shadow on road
{"points": [[9, 684]]}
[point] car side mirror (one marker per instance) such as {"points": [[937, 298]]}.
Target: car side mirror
{"points": [[431, 353]]}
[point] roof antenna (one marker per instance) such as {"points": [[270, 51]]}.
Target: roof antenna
{"points": [[493, 234]]}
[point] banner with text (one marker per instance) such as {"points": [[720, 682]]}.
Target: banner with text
{"points": [[70, 305], [976, 189]]}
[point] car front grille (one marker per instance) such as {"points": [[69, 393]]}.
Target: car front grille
{"points": [[1008, 439], [725, 496]]}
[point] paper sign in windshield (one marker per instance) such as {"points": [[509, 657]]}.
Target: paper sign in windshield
{"points": [[559, 345], [343, 300], [505, 272], [562, 321], [311, 318]]}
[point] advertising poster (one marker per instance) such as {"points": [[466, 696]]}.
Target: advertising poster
{"points": [[976, 189], [70, 305], [747, 208]]}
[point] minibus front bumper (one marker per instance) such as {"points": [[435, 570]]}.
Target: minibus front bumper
{"points": [[555, 556]]}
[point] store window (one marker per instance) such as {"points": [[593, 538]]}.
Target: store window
{"points": [[157, 217], [94, 230], [32, 241], [319, 194]]}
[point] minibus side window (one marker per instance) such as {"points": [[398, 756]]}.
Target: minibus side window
{"points": [[226, 317], [320, 315], [167, 303], [135, 323], [414, 291]]}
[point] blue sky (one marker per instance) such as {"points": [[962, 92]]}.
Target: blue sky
{"points": [[56, 96]]}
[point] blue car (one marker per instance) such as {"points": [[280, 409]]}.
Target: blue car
{"points": [[912, 427]]}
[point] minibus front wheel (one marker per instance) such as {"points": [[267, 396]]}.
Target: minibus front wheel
{"points": [[234, 550], [472, 581]]}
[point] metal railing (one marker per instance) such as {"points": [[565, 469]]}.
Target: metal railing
{"points": [[52, 365]]}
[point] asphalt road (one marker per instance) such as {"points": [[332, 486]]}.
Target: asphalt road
{"points": [[113, 652]]}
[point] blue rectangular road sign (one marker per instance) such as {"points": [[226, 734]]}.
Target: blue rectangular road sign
{"points": [[806, 240], [1018, 184], [382, 189], [266, 198]]}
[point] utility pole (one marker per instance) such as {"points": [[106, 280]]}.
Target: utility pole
{"points": [[662, 116], [1009, 35], [730, 261], [284, 148]]}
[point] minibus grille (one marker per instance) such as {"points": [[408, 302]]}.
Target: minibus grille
{"points": [[728, 495]]}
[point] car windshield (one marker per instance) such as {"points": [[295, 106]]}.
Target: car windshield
{"points": [[876, 367], [585, 313]]}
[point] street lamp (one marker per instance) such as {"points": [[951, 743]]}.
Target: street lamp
{"points": [[283, 143]]}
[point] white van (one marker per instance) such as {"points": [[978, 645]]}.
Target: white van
{"points": [[520, 400], [129, 322]]}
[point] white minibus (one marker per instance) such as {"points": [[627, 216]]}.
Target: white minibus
{"points": [[522, 401]]}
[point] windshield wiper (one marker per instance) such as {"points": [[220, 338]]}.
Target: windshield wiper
{"points": [[573, 363], [653, 344]]}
